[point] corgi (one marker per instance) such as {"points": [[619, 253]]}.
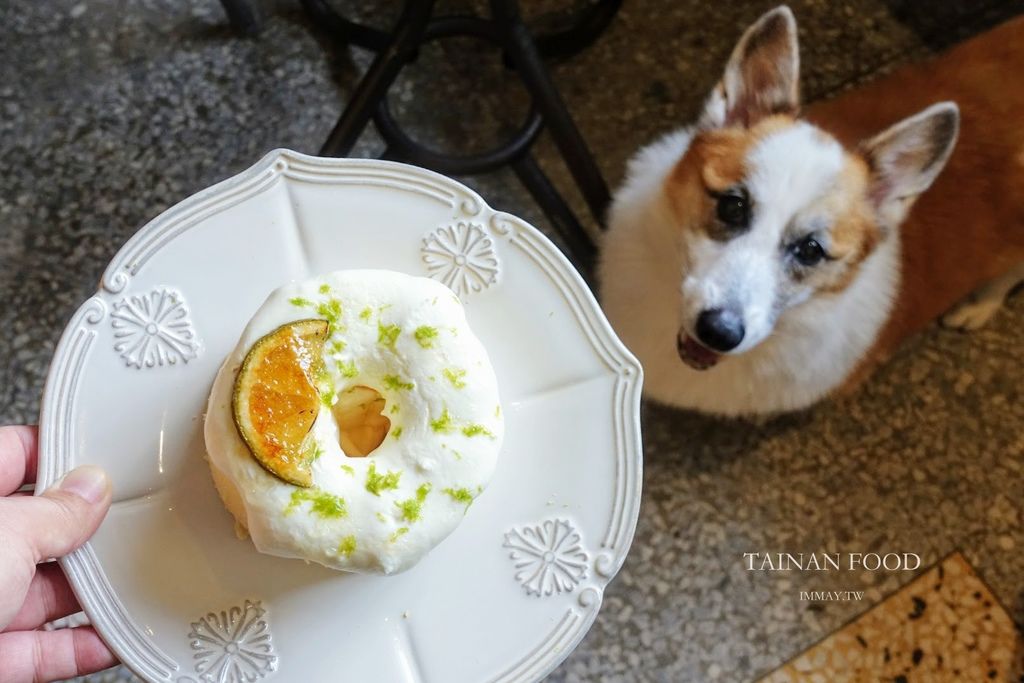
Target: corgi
{"points": [[760, 260]]}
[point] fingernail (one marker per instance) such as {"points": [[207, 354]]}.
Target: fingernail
{"points": [[88, 482]]}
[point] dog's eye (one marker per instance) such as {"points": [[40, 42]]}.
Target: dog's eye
{"points": [[733, 209], [807, 251]]}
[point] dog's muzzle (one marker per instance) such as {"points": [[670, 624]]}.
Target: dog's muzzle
{"points": [[695, 354]]}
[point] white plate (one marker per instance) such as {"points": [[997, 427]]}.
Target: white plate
{"points": [[179, 598]]}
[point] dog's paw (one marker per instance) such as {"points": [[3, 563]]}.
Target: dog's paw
{"points": [[972, 314]]}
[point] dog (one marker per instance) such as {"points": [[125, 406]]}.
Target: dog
{"points": [[759, 261]]}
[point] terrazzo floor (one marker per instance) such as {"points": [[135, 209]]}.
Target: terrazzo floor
{"points": [[113, 110]]}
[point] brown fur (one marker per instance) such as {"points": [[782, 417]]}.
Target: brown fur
{"points": [[714, 161], [969, 227], [854, 231]]}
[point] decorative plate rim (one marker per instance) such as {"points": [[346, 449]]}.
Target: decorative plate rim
{"points": [[88, 579]]}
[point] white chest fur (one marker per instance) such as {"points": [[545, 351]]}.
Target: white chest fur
{"points": [[813, 348]]}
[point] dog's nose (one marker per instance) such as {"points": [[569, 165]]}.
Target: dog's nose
{"points": [[720, 329]]}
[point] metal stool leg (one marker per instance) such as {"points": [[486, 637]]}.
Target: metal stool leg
{"points": [[405, 39], [580, 249], [528, 62]]}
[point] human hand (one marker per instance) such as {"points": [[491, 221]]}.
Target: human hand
{"points": [[33, 591]]}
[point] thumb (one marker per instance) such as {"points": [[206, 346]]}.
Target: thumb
{"points": [[65, 515]]}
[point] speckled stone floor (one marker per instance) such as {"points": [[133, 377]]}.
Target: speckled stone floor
{"points": [[113, 110]]}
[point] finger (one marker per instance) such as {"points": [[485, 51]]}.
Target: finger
{"points": [[62, 518], [52, 655], [17, 457], [49, 597]]}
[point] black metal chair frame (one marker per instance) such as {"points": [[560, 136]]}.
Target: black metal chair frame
{"points": [[523, 52]]}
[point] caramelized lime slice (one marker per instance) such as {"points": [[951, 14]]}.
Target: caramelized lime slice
{"points": [[276, 401]]}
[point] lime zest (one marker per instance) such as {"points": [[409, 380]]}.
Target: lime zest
{"points": [[443, 424], [348, 470], [402, 531], [347, 546], [322, 504], [365, 313], [312, 452], [325, 288], [397, 433], [330, 310], [412, 508], [455, 375], [460, 495], [388, 334], [477, 430], [348, 369], [396, 383], [375, 483], [300, 302], [425, 335]]}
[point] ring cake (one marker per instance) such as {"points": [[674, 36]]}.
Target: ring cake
{"points": [[355, 422]]}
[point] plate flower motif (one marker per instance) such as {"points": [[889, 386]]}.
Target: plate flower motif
{"points": [[549, 557], [233, 646], [154, 329], [461, 256]]}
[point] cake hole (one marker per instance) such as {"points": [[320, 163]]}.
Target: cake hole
{"points": [[363, 428]]}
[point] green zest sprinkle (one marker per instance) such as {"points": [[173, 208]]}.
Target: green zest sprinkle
{"points": [[396, 383], [325, 288], [476, 430], [331, 310], [464, 496], [425, 335], [375, 483], [388, 334], [394, 408], [327, 397], [455, 377], [312, 452], [337, 346], [365, 313], [323, 504], [325, 387], [382, 517], [397, 432], [443, 424], [347, 546], [497, 411], [398, 534], [299, 301], [348, 470], [413, 507], [348, 369]]}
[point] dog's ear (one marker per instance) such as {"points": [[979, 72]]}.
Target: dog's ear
{"points": [[905, 159], [762, 77]]}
